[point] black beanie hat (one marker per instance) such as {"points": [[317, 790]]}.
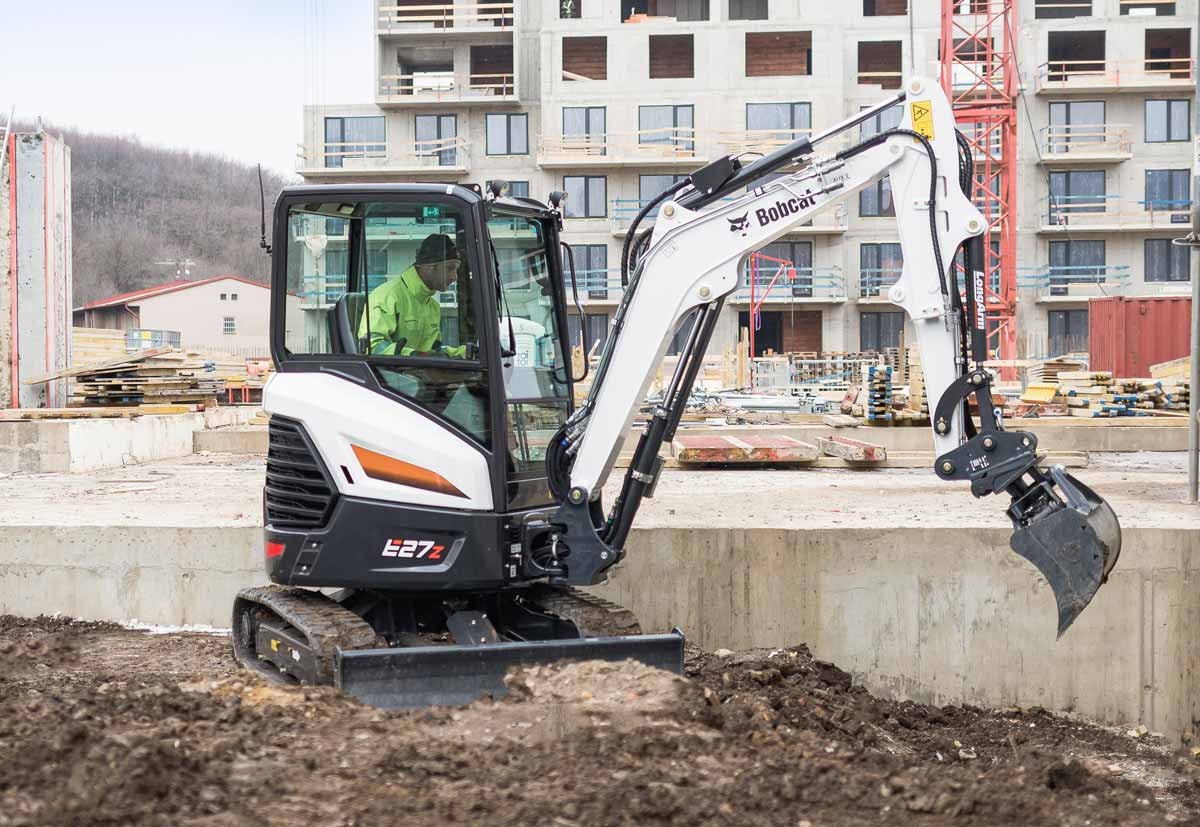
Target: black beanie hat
{"points": [[436, 247]]}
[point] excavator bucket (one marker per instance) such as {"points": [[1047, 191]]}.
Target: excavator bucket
{"points": [[1074, 541]]}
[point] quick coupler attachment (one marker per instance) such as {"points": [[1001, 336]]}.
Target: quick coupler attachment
{"points": [[1070, 533]]}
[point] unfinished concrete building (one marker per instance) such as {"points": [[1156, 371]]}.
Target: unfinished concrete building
{"points": [[612, 102]]}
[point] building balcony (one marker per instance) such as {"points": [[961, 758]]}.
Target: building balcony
{"points": [[667, 147], [436, 159], [443, 19], [1109, 76], [1109, 213], [439, 89], [622, 211], [1075, 283], [1067, 145], [791, 285], [596, 286]]}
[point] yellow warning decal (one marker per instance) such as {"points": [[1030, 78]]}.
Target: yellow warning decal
{"points": [[922, 118]]}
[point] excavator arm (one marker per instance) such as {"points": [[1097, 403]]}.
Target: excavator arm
{"points": [[690, 262]]}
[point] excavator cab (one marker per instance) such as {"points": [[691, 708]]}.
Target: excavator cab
{"points": [[419, 334]]}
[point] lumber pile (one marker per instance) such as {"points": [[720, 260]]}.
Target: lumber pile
{"points": [[1048, 370], [167, 378], [877, 386], [1092, 394]]}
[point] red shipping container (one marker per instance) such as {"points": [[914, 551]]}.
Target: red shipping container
{"points": [[1126, 335]]}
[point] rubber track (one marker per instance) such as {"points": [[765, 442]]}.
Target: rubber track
{"points": [[595, 616], [325, 624]]}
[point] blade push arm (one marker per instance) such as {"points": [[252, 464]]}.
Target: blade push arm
{"points": [[692, 263]]}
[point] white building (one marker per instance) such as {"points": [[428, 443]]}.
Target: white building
{"points": [[220, 313], [610, 101]]}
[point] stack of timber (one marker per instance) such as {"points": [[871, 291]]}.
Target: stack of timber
{"points": [[160, 376], [1049, 369], [1093, 394], [878, 394]]}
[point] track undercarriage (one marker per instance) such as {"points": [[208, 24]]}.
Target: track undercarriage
{"points": [[406, 651]]}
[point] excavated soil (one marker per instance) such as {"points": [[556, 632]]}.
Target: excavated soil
{"points": [[105, 726]]}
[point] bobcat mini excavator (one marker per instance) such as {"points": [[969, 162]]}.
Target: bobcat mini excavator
{"points": [[433, 501]]}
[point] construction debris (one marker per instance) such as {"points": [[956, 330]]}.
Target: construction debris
{"points": [[853, 450], [715, 449]]}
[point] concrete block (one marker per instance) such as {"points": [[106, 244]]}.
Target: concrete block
{"points": [[231, 441]]}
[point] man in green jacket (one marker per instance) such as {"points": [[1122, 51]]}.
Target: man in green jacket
{"points": [[403, 315]]}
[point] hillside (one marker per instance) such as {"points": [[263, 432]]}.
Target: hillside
{"points": [[135, 206]]}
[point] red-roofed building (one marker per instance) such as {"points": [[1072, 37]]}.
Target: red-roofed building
{"points": [[227, 311]]}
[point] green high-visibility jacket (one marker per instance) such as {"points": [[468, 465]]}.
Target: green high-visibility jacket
{"points": [[404, 309]]}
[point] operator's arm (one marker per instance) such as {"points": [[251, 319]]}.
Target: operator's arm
{"points": [[380, 324]]}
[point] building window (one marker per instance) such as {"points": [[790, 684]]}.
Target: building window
{"points": [[229, 326], [878, 331], [1075, 262], [233, 297], [1141, 7], [881, 122], [587, 196], [876, 200], [685, 11], [880, 62], [517, 189], [1168, 120], [885, 8], [747, 9], [587, 126], [1075, 192], [1083, 118], [222, 297], [591, 269], [778, 54], [508, 134], [354, 138], [570, 9], [667, 125], [1166, 261], [597, 331], [585, 58], [1075, 54], [652, 186], [879, 266], [437, 137], [672, 56], [1058, 9], [1168, 190], [1068, 332], [782, 120]]}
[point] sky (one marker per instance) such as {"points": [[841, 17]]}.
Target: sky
{"points": [[217, 76]]}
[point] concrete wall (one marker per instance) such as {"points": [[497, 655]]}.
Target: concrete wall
{"points": [[937, 615], [35, 269], [198, 313]]}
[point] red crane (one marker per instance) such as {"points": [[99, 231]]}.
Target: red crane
{"points": [[979, 74]]}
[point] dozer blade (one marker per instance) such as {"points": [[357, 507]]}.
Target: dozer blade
{"points": [[419, 676], [1074, 541]]}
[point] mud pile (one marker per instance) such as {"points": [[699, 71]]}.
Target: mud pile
{"points": [[104, 726]]}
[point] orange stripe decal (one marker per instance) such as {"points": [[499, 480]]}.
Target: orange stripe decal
{"points": [[389, 469]]}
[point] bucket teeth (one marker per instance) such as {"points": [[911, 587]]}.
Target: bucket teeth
{"points": [[1074, 541]]}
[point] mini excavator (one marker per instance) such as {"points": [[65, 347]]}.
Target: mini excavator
{"points": [[433, 505]]}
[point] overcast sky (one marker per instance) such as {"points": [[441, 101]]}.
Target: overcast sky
{"points": [[224, 76]]}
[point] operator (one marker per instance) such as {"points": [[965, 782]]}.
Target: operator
{"points": [[403, 315]]}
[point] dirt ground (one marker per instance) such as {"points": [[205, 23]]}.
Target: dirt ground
{"points": [[101, 725]]}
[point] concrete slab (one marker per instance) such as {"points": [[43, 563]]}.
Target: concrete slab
{"points": [[755, 448], [903, 579], [246, 440]]}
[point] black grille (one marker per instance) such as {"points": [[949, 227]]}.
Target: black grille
{"points": [[299, 493]]}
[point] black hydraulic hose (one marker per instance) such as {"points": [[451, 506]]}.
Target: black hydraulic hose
{"points": [[642, 213], [933, 230], [582, 317]]}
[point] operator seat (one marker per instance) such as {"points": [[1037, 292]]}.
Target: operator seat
{"points": [[347, 314]]}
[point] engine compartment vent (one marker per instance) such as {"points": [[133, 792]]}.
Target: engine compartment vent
{"points": [[299, 492]]}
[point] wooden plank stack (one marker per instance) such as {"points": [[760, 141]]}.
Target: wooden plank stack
{"points": [[160, 376], [1092, 394], [1048, 370]]}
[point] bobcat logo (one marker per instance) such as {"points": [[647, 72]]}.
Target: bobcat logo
{"points": [[739, 224]]}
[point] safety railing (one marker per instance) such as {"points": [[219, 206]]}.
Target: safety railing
{"points": [[1065, 75], [1111, 212], [873, 282], [1090, 140], [651, 145], [444, 87], [1082, 280], [596, 285], [758, 140], [888, 80], [393, 18], [350, 156], [786, 283]]}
